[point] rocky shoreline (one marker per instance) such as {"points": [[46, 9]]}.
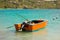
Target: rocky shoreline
{"points": [[29, 4]]}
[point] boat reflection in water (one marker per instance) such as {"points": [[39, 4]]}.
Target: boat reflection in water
{"points": [[36, 35]]}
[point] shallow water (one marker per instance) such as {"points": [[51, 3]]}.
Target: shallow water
{"points": [[9, 17]]}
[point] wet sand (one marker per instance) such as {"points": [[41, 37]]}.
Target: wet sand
{"points": [[13, 35]]}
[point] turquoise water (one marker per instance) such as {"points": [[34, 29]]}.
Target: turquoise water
{"points": [[9, 17]]}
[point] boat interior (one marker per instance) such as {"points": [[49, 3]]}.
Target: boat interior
{"points": [[36, 21]]}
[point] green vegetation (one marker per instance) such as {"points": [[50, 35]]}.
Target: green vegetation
{"points": [[25, 4]]}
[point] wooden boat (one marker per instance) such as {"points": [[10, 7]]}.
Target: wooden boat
{"points": [[31, 25]]}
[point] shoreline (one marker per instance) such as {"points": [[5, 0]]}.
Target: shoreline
{"points": [[25, 9]]}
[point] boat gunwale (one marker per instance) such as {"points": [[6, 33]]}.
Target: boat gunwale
{"points": [[37, 23]]}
